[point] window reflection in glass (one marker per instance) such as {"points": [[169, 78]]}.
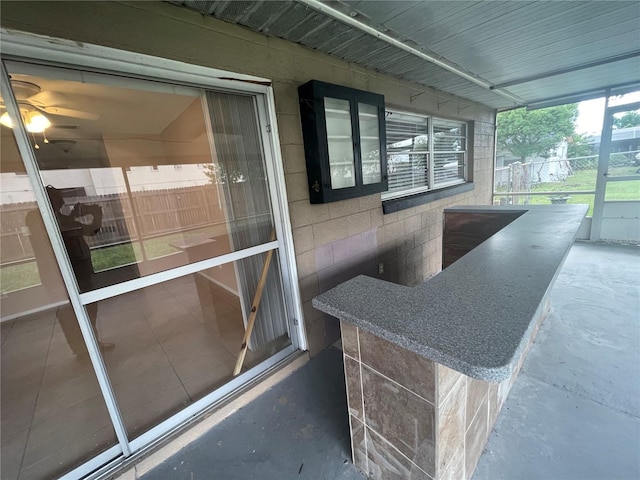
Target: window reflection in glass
{"points": [[369, 143], [340, 143], [144, 178], [180, 340], [170, 190], [53, 414]]}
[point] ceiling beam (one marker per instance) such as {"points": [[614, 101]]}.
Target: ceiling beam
{"points": [[574, 68], [350, 19]]}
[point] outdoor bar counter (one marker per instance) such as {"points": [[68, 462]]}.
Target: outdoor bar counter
{"points": [[429, 367]]}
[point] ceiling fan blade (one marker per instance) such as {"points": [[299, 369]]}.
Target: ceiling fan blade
{"points": [[69, 112], [50, 98]]}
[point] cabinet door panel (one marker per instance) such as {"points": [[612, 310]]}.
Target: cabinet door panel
{"points": [[370, 143], [340, 143]]}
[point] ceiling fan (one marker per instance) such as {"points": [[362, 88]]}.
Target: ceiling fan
{"points": [[32, 99]]}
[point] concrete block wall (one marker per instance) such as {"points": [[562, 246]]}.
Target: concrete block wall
{"points": [[335, 241]]}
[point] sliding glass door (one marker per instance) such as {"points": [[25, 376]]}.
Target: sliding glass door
{"points": [[143, 234]]}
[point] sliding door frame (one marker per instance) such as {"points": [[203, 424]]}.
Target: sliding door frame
{"points": [[47, 51]]}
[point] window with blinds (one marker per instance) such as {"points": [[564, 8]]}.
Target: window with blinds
{"points": [[424, 153]]}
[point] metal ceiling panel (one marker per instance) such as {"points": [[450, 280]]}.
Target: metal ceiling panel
{"points": [[203, 7], [382, 11], [234, 11], [599, 77], [264, 15], [525, 48], [293, 15]]}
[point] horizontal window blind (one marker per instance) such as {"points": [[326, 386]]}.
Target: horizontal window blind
{"points": [[407, 151], [424, 153], [449, 145]]}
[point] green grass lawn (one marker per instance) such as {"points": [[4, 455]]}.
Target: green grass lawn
{"points": [[583, 180], [16, 277]]}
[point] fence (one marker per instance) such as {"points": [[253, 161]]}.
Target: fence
{"points": [[158, 212], [573, 180]]}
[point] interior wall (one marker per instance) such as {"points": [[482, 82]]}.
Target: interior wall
{"points": [[335, 241]]}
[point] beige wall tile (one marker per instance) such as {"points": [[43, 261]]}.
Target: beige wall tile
{"points": [[446, 378], [354, 387], [492, 399], [455, 467], [409, 369], [388, 463], [401, 417], [350, 345], [358, 444], [475, 439], [451, 425], [477, 391]]}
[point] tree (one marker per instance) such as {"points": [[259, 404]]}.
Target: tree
{"points": [[532, 133], [629, 119], [579, 146]]}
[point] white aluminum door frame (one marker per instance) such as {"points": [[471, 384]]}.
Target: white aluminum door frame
{"points": [[56, 52], [602, 178]]}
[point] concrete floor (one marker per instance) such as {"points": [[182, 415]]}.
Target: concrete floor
{"points": [[298, 429], [573, 414], [574, 411]]}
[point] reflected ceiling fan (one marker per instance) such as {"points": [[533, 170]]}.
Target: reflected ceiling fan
{"points": [[34, 103]]}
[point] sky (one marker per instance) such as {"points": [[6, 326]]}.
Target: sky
{"points": [[591, 112]]}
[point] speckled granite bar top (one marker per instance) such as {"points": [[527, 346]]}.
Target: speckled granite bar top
{"points": [[476, 315]]}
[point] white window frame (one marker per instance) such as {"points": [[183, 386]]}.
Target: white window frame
{"points": [[431, 186], [44, 50]]}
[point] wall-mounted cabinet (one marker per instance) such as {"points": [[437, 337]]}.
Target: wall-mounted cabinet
{"points": [[344, 141]]}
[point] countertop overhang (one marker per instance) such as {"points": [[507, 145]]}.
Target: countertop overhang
{"points": [[476, 315]]}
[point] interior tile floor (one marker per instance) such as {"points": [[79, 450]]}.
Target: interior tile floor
{"points": [[165, 357], [573, 414]]}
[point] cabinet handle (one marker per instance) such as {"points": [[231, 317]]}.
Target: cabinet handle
{"points": [[316, 186]]}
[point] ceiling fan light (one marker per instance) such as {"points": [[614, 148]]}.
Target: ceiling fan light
{"points": [[36, 122], [5, 120]]}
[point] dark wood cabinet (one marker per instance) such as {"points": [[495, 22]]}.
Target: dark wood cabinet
{"points": [[344, 141]]}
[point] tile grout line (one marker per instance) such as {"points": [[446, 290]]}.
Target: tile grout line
{"points": [[432, 403], [364, 415], [35, 403], [393, 446], [466, 429]]}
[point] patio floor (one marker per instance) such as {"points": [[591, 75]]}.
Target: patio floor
{"points": [[573, 414]]}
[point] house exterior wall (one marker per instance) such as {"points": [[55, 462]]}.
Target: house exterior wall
{"points": [[333, 242]]}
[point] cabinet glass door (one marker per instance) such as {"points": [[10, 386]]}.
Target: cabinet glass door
{"points": [[340, 142], [369, 143]]}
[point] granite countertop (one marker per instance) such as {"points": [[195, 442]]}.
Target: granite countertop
{"points": [[476, 315]]}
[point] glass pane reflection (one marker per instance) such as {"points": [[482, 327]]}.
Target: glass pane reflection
{"points": [[143, 180], [53, 414], [177, 341]]}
